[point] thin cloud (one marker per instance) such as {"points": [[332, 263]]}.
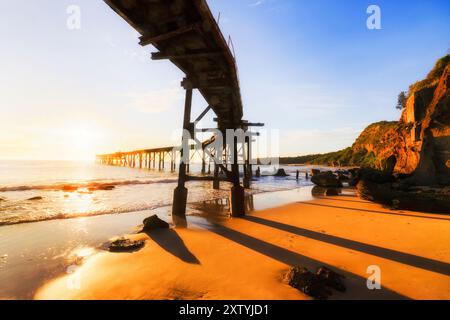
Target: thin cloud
{"points": [[156, 101], [257, 3]]}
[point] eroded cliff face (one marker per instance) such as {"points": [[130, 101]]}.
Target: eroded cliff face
{"points": [[389, 142], [432, 134], [419, 144]]}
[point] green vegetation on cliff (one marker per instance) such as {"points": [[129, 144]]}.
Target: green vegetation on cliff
{"points": [[361, 154], [398, 146], [433, 75]]}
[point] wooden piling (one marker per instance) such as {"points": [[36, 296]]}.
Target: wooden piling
{"points": [[181, 192]]}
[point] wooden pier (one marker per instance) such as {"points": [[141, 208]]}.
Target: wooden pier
{"points": [[186, 33], [156, 159]]}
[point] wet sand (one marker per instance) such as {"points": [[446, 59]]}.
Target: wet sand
{"points": [[32, 254], [245, 258]]}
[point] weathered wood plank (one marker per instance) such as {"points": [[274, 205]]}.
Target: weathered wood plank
{"points": [[150, 39]]}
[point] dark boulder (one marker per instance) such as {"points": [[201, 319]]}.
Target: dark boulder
{"points": [[332, 192], [353, 172], [353, 181], [332, 279], [316, 285], [35, 199], [344, 175], [281, 173], [125, 245], [415, 199], [102, 188], [326, 180], [315, 171], [154, 223], [307, 282], [106, 188], [321, 192], [373, 191], [318, 191], [374, 175]]}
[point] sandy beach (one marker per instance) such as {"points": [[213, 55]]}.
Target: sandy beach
{"points": [[246, 258]]}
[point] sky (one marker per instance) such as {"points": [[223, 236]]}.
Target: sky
{"points": [[310, 70]]}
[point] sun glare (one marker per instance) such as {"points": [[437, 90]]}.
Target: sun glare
{"points": [[83, 142]]}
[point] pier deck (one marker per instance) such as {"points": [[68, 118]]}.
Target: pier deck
{"points": [[186, 33]]}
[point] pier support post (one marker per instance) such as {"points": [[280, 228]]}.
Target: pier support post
{"points": [[180, 193], [216, 182], [203, 162], [237, 197], [247, 155], [246, 178]]}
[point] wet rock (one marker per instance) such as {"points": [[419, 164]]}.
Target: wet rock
{"points": [[318, 191], [353, 179], [332, 192], [315, 171], [281, 173], [307, 282], [377, 192], [328, 192], [69, 188], [326, 180], [374, 175], [154, 223], [106, 188], [344, 175], [332, 279], [35, 199], [429, 200], [125, 245], [102, 188]]}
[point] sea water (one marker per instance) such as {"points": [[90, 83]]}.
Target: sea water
{"points": [[71, 216], [33, 191]]}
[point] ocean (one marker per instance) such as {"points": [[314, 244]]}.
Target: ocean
{"points": [[33, 191], [75, 211]]}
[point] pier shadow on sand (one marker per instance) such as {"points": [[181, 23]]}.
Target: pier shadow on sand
{"points": [[170, 241], [356, 285], [402, 257], [394, 213]]}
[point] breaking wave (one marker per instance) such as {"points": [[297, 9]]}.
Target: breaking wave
{"points": [[84, 185]]}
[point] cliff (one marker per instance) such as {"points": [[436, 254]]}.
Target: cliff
{"points": [[417, 147]]}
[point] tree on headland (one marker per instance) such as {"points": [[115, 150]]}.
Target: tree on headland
{"points": [[401, 101]]}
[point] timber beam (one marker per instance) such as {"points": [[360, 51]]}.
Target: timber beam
{"points": [[152, 39], [222, 83], [204, 54], [194, 178]]}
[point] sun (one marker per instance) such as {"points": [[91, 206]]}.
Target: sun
{"points": [[83, 142]]}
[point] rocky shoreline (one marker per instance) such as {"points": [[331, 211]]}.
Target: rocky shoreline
{"points": [[393, 191]]}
